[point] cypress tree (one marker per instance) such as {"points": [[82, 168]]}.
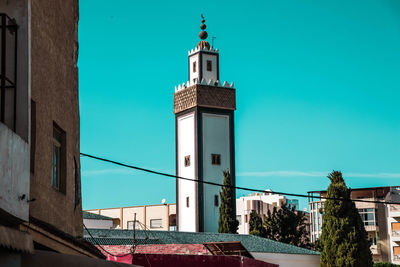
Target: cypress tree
{"points": [[227, 222], [343, 239], [256, 225]]}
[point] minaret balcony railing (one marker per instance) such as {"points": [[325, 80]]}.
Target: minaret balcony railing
{"points": [[8, 70]]}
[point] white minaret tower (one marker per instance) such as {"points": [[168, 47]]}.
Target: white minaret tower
{"points": [[204, 116]]}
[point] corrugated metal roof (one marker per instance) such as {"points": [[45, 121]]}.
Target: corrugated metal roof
{"points": [[250, 242], [94, 216]]}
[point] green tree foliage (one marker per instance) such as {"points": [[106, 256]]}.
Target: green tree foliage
{"points": [[256, 225], [385, 264], [287, 225], [227, 222], [344, 239]]}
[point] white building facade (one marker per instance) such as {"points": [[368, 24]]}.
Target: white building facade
{"points": [[260, 203], [204, 110]]}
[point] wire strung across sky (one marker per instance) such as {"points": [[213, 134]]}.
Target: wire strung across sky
{"points": [[231, 186]]}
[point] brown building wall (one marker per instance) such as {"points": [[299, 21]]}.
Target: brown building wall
{"points": [[54, 90]]}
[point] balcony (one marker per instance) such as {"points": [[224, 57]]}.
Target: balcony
{"points": [[375, 250], [396, 236], [396, 258], [395, 211]]}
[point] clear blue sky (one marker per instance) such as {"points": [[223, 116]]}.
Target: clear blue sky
{"points": [[317, 84]]}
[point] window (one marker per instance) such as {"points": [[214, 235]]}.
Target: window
{"points": [[58, 166], [187, 161], [216, 200], [77, 171], [395, 229], [33, 135], [367, 216], [194, 66], [187, 202], [216, 159], [131, 223], [209, 65], [156, 223], [8, 75], [245, 218]]}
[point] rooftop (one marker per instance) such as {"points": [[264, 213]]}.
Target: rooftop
{"points": [[94, 216], [360, 189], [250, 242]]}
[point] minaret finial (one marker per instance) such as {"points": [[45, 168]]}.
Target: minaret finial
{"points": [[203, 34]]}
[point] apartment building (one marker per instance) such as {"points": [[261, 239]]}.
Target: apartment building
{"points": [[380, 220], [161, 217], [393, 225], [261, 203]]}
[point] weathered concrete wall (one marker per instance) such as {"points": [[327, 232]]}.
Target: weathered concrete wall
{"points": [[288, 260], [54, 88], [14, 176]]}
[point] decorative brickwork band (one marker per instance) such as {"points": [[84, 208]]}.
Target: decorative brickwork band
{"points": [[204, 96]]}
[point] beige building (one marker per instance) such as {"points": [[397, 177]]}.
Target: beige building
{"points": [[160, 217], [382, 222], [40, 190]]}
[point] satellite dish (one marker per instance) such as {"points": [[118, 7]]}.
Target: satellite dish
{"points": [[163, 201]]}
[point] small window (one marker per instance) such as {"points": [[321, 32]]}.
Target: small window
{"points": [[131, 223], [216, 159], [187, 202], [245, 218], [209, 65], [33, 135], [187, 161], [58, 166], [77, 171], [216, 200], [156, 223], [194, 66]]}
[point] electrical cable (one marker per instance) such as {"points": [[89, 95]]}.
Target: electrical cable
{"points": [[230, 186], [97, 243]]}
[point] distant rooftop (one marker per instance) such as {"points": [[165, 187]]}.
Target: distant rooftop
{"points": [[360, 189], [94, 216], [250, 242]]}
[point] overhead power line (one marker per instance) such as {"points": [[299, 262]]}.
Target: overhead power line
{"points": [[230, 186]]}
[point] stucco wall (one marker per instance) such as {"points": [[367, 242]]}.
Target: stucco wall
{"points": [[98, 224], [54, 88], [288, 260], [210, 75], [215, 141], [186, 146], [14, 175]]}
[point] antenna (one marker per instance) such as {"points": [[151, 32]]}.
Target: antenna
{"points": [[212, 41]]}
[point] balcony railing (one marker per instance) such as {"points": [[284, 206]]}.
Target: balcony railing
{"points": [[396, 257], [396, 233], [8, 70], [394, 207]]}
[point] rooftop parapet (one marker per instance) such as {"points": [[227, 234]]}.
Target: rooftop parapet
{"points": [[197, 49]]}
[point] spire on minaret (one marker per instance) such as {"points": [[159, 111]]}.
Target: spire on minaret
{"points": [[203, 35]]}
